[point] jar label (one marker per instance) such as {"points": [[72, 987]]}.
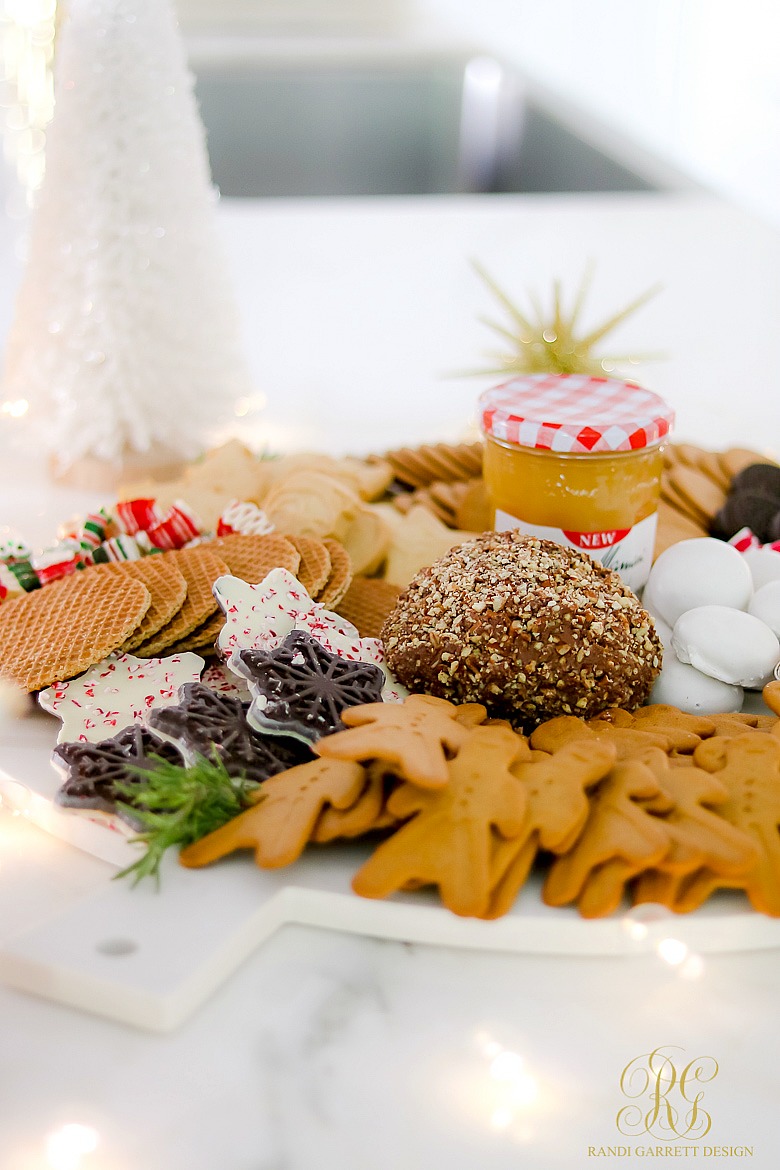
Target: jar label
{"points": [[629, 551]]}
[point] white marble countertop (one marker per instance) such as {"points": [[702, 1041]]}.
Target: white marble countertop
{"points": [[354, 1054]]}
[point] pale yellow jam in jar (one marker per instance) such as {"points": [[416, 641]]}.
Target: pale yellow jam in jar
{"points": [[578, 460]]}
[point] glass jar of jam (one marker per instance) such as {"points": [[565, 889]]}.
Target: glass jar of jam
{"points": [[578, 460]]}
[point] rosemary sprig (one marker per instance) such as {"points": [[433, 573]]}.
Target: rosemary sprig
{"points": [[177, 805]]}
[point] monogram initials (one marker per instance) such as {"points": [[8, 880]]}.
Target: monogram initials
{"points": [[668, 1097]]}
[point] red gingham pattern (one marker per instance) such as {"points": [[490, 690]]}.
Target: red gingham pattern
{"points": [[574, 413]]}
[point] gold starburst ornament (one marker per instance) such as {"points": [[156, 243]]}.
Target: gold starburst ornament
{"points": [[548, 343]]}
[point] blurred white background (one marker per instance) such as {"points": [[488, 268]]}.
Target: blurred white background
{"points": [[679, 93], [693, 82], [335, 98]]}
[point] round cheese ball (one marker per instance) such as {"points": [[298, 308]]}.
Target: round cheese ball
{"points": [[525, 626]]}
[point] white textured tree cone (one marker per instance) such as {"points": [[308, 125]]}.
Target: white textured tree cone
{"points": [[125, 337]]}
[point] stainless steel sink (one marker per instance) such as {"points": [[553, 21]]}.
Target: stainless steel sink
{"points": [[391, 125]]}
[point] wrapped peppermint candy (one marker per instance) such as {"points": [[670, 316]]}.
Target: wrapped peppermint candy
{"points": [[89, 532], [16, 556], [176, 528], [118, 548], [9, 586], [136, 515], [746, 539], [244, 517], [59, 561], [94, 529]]}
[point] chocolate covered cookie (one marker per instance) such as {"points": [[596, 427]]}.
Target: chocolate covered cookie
{"points": [[205, 723], [753, 502], [300, 688], [91, 771]]}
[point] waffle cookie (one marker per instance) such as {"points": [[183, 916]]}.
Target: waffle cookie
{"points": [[200, 568], [57, 632], [340, 575], [167, 587], [367, 603], [253, 557], [315, 563]]}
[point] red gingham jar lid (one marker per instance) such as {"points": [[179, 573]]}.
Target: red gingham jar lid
{"points": [[574, 413]]}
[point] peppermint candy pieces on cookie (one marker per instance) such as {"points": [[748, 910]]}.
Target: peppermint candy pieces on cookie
{"points": [[117, 692], [259, 617]]}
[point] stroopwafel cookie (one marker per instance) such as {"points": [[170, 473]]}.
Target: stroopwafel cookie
{"points": [[168, 589], [60, 631], [200, 568], [315, 563], [367, 603], [253, 557], [340, 575]]}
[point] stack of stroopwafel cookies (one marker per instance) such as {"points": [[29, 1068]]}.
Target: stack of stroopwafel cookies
{"points": [[160, 604]]}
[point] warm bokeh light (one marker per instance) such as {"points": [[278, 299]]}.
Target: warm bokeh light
{"points": [[27, 28], [250, 405], [506, 1093], [641, 920], [68, 1146], [15, 409], [673, 951]]}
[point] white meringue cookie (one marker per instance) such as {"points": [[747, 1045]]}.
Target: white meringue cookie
{"points": [[765, 604], [698, 572], [683, 686], [727, 644], [764, 565]]}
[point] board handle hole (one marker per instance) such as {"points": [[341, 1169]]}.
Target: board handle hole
{"points": [[117, 947]]}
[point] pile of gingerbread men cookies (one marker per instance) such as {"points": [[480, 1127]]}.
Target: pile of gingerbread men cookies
{"points": [[665, 806]]}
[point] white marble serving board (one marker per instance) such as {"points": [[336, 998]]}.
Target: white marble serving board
{"points": [[150, 956], [29, 783]]}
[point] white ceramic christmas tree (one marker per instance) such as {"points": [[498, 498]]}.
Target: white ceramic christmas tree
{"points": [[125, 339]]}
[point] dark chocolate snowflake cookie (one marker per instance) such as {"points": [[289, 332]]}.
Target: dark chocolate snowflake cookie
{"points": [[206, 723], [300, 688], [91, 771]]}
